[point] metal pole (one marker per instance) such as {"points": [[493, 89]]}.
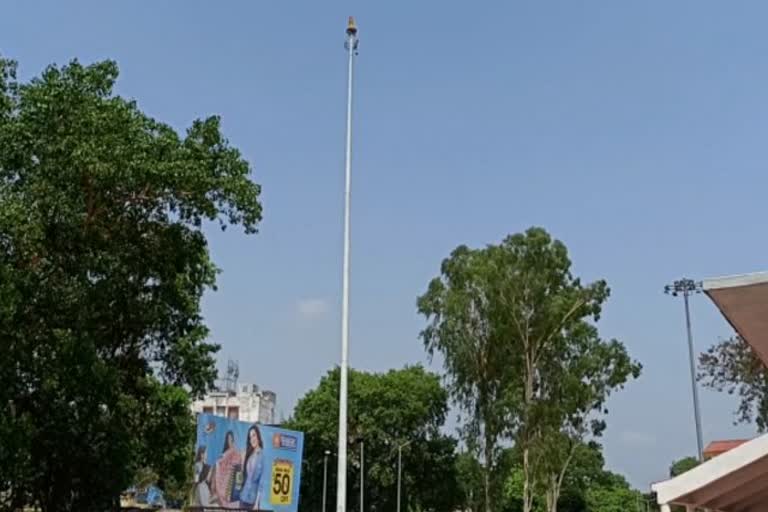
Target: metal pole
{"points": [[325, 478], [692, 356], [686, 287], [341, 489], [362, 474], [400, 470], [399, 473]]}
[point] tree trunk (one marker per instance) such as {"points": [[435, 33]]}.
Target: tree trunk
{"points": [[553, 493], [526, 481], [556, 482], [487, 489], [527, 476], [488, 468]]}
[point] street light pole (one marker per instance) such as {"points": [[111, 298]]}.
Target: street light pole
{"points": [[695, 387], [341, 489], [362, 474], [400, 471], [325, 478], [686, 287]]}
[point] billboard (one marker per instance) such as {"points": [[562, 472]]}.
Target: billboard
{"points": [[246, 466]]}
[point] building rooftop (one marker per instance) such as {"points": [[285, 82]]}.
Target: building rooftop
{"points": [[716, 448]]}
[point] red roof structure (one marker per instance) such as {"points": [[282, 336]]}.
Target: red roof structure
{"points": [[716, 448]]}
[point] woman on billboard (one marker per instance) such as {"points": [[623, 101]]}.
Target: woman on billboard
{"points": [[201, 494], [227, 470], [253, 467]]}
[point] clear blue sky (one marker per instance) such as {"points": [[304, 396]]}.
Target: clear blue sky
{"points": [[633, 131]]}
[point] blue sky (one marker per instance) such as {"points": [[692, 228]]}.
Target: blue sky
{"points": [[633, 131]]}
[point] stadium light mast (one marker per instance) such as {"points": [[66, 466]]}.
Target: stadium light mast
{"points": [[687, 287]]}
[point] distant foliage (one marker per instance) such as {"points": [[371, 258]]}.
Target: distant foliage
{"points": [[682, 465]]}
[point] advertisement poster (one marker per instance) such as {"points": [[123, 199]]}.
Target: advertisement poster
{"points": [[246, 466]]}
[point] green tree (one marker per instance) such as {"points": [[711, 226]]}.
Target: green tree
{"points": [[469, 472], [619, 497], [587, 487], [680, 466], [525, 360], [103, 263], [651, 502], [385, 410], [168, 438], [573, 389], [732, 366], [471, 477], [462, 314]]}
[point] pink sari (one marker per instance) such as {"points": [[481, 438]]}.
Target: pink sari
{"points": [[224, 477]]}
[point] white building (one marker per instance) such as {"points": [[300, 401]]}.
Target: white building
{"points": [[248, 403]]}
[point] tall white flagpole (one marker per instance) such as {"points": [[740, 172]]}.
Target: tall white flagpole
{"points": [[341, 490]]}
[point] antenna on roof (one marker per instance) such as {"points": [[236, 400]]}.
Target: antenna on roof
{"points": [[233, 373]]}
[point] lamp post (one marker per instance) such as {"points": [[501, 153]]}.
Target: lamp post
{"points": [[341, 489], [400, 470], [325, 477], [362, 474], [687, 287]]}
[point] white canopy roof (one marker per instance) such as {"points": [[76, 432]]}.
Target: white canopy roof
{"points": [[743, 300], [736, 481], [731, 482]]}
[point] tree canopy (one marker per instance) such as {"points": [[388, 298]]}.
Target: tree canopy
{"points": [[732, 366], [517, 335], [103, 263], [588, 486], [680, 466], [386, 410]]}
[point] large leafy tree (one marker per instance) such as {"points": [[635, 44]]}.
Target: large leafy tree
{"points": [[732, 366], [386, 410], [588, 486], [523, 356], [103, 263], [464, 318]]}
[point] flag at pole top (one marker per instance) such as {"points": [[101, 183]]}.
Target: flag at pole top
{"points": [[351, 26]]}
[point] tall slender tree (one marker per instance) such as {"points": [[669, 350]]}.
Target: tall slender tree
{"points": [[464, 316], [574, 386], [516, 333]]}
